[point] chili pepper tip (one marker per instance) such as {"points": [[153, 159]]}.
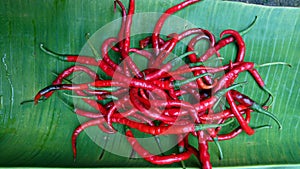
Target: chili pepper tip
{"points": [[101, 155], [36, 98]]}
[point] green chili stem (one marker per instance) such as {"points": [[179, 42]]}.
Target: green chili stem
{"points": [[259, 109], [262, 127], [30, 101], [202, 63], [183, 82], [93, 97], [95, 52], [216, 141], [271, 96], [51, 53], [108, 89], [224, 91], [174, 61], [272, 64], [199, 127], [243, 32]]}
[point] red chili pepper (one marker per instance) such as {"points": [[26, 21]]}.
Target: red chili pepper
{"points": [[156, 74], [156, 103], [238, 115], [227, 79], [161, 20], [167, 50], [122, 29], [193, 58], [235, 132], [240, 42], [146, 41], [245, 100], [222, 115], [67, 72], [204, 156], [126, 42], [154, 159], [135, 101]]}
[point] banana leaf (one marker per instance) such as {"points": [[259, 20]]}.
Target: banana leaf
{"points": [[40, 135]]}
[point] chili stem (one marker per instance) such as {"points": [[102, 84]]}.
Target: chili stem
{"points": [[95, 52], [216, 141], [243, 32], [199, 127], [273, 63], [51, 53], [259, 109]]}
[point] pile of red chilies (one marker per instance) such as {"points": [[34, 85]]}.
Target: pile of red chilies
{"points": [[151, 101]]}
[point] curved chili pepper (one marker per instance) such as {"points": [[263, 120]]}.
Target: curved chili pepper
{"points": [[237, 131], [193, 58], [146, 41], [161, 160], [225, 41], [238, 115], [167, 50], [67, 72], [245, 100], [240, 42], [229, 77], [122, 29], [161, 20]]}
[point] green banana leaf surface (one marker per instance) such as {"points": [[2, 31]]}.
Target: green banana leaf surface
{"points": [[40, 135]]}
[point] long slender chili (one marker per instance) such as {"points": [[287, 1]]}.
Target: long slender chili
{"points": [[162, 19], [238, 115], [155, 159]]}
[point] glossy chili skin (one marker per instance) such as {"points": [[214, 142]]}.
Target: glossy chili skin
{"points": [[235, 132], [238, 115], [193, 59], [162, 19], [152, 101], [240, 43], [122, 29], [204, 155], [67, 72], [155, 159], [227, 79]]}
